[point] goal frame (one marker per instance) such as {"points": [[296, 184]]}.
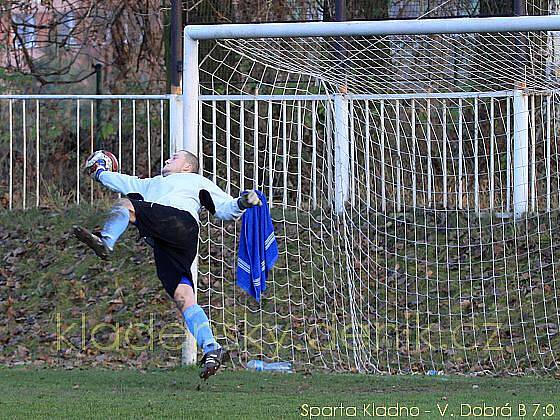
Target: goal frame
{"points": [[191, 95]]}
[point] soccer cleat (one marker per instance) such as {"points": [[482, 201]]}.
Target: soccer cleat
{"points": [[212, 361], [93, 241]]}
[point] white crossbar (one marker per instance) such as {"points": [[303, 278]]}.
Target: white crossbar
{"points": [[388, 27]]}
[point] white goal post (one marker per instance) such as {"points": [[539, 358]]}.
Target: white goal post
{"points": [[412, 170]]}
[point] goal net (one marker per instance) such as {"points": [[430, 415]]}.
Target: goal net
{"points": [[413, 184]]}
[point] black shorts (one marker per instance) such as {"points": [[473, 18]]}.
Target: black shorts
{"points": [[174, 234]]}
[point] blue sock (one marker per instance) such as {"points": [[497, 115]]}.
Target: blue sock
{"points": [[199, 326], [115, 226]]}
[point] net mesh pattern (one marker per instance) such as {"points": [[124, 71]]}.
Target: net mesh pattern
{"points": [[391, 166]]}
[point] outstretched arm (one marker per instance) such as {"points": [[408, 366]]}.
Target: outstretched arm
{"points": [[226, 207], [122, 183], [100, 166]]}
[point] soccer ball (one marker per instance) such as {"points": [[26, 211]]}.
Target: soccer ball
{"points": [[110, 160]]}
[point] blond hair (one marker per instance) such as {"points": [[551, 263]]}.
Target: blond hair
{"points": [[191, 159]]}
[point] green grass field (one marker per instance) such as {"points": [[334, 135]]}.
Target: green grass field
{"points": [[178, 393]]}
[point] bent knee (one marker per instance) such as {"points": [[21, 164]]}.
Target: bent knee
{"points": [[184, 297], [126, 203]]}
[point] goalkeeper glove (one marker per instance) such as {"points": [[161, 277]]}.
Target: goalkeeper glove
{"points": [[96, 164], [248, 199]]}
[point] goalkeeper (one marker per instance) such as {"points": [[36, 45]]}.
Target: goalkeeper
{"points": [[165, 211]]}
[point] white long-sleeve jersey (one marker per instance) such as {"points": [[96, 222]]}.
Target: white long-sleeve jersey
{"points": [[180, 190]]}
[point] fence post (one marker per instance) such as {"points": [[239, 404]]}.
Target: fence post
{"points": [[98, 91], [520, 152], [341, 152]]}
